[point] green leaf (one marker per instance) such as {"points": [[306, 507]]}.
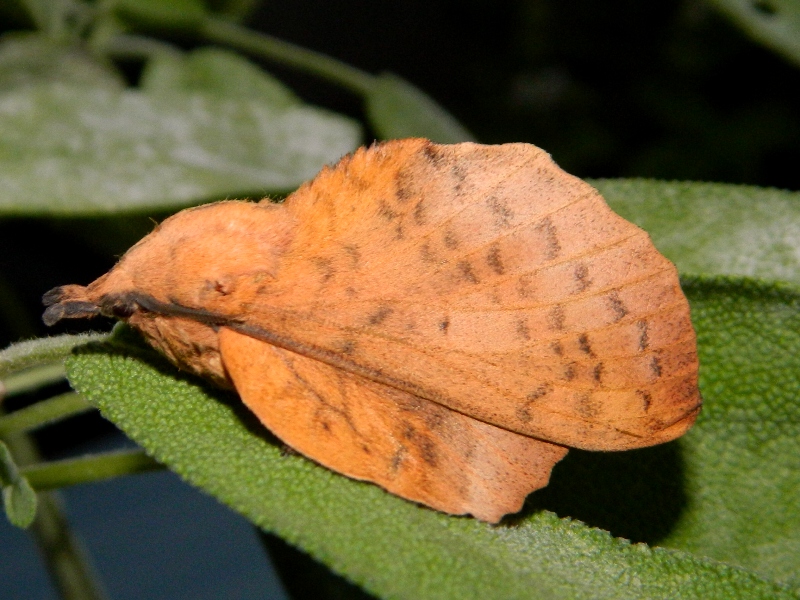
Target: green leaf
{"points": [[19, 499], [212, 70], [743, 464], [32, 59], [773, 23], [397, 109], [32, 353], [69, 150], [714, 229], [735, 479], [57, 18]]}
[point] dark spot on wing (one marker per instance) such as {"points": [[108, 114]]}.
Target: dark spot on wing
{"points": [[524, 411], [386, 212], [347, 346], [398, 232], [419, 213], [582, 280], [403, 185], [569, 371], [325, 268], [380, 315], [426, 446], [426, 254], [644, 340], [583, 344], [540, 391], [502, 213], [433, 155], [467, 274], [325, 425], [524, 287], [556, 318], [552, 245], [616, 306], [655, 366], [459, 173], [522, 329], [444, 325], [557, 348], [586, 406], [354, 253], [598, 372], [646, 399], [494, 261], [450, 240], [365, 449], [434, 416]]}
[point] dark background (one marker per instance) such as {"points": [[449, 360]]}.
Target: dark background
{"points": [[661, 89]]}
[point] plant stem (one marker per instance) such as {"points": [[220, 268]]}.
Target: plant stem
{"points": [[45, 476], [66, 560], [33, 378], [64, 555], [50, 410], [289, 54]]}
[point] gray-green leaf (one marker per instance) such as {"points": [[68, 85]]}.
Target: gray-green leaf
{"points": [[714, 229], [397, 109], [32, 59], [214, 71], [773, 23], [31, 353], [75, 150]]}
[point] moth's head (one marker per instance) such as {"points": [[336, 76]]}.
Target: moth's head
{"points": [[184, 280], [193, 260]]}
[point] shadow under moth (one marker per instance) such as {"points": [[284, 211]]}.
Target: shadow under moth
{"points": [[441, 320]]}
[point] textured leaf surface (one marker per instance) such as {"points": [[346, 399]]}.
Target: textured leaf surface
{"points": [[31, 353], [743, 464], [714, 229], [736, 456], [89, 149]]}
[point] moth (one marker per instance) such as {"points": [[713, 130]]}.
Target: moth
{"points": [[444, 321]]}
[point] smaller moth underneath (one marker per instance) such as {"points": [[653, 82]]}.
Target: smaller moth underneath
{"points": [[441, 320]]}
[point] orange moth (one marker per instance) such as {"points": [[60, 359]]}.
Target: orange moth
{"points": [[441, 320]]}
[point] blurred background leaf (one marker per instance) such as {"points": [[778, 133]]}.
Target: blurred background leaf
{"points": [[774, 23], [194, 134]]}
